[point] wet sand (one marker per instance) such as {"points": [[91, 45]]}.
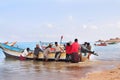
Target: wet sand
{"points": [[110, 74]]}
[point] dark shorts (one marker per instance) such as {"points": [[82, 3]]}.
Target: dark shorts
{"points": [[57, 55], [75, 57]]}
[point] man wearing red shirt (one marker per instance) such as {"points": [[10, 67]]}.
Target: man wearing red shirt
{"points": [[75, 47], [68, 52]]}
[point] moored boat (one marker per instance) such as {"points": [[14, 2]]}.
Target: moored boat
{"points": [[111, 43], [100, 44]]}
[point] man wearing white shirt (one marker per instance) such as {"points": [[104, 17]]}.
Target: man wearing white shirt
{"points": [[24, 54]]}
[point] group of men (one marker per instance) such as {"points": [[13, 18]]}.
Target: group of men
{"points": [[72, 51]]}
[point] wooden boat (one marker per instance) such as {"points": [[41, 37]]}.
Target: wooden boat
{"points": [[14, 52]]}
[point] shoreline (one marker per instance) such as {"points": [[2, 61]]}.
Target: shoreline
{"points": [[107, 74]]}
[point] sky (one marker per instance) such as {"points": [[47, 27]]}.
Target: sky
{"points": [[48, 20]]}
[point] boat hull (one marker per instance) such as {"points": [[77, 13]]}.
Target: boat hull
{"points": [[14, 54]]}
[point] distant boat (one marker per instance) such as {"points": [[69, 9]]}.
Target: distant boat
{"points": [[14, 52], [111, 43], [100, 44]]}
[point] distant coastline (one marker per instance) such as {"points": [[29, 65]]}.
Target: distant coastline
{"points": [[113, 40], [116, 40]]}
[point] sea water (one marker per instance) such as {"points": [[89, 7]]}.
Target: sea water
{"points": [[36, 70], [108, 53]]}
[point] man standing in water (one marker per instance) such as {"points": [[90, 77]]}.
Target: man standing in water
{"points": [[68, 52], [89, 48], [58, 50], [75, 50], [47, 51], [36, 52]]}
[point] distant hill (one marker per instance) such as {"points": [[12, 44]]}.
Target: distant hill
{"points": [[116, 40], [113, 40]]}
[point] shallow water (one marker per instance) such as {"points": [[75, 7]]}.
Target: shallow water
{"points": [[108, 53], [34, 70]]}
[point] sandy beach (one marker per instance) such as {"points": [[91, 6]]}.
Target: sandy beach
{"points": [[113, 74]]}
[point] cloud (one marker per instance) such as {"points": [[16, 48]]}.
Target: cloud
{"points": [[84, 26], [70, 18], [118, 24], [89, 27], [50, 25], [113, 25], [93, 27]]}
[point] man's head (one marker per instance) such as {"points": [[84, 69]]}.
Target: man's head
{"points": [[37, 45], [28, 49], [76, 40], [56, 43]]}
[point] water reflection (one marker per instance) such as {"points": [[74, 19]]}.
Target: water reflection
{"points": [[33, 70]]}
